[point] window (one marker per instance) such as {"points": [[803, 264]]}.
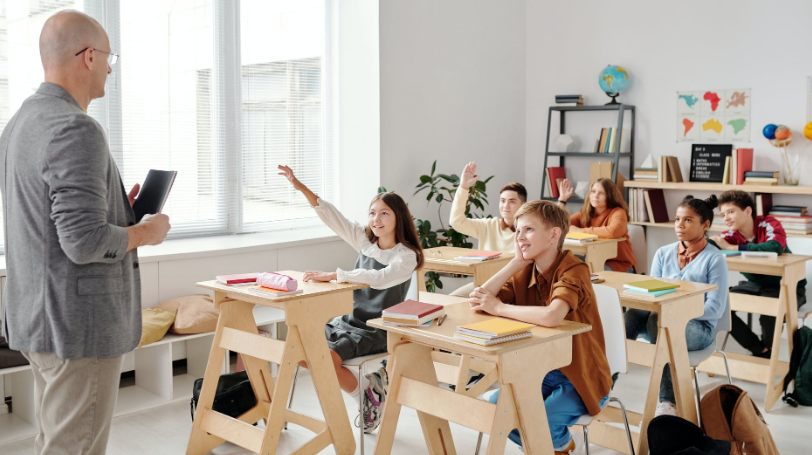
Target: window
{"points": [[220, 91]]}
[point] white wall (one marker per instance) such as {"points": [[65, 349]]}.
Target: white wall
{"points": [[666, 47], [452, 89]]}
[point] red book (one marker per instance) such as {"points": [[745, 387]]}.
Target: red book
{"points": [[555, 173], [744, 163], [240, 278], [411, 309]]}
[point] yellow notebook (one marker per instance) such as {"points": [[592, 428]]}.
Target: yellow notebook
{"points": [[493, 328], [650, 285], [580, 236]]}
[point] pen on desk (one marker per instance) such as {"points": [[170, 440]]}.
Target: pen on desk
{"points": [[442, 318]]}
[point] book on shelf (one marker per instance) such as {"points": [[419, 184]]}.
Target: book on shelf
{"points": [[795, 219], [613, 132], [569, 98], [764, 202], [554, 174], [655, 205], [602, 143], [608, 140], [673, 168], [763, 174], [761, 179], [744, 163], [726, 175], [759, 182], [790, 208], [777, 213], [569, 104]]}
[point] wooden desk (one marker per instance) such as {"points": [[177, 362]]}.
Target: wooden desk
{"points": [[441, 259], [675, 310], [306, 315], [521, 368], [596, 252], [771, 372]]}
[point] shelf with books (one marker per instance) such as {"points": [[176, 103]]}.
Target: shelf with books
{"points": [[613, 144], [707, 186], [670, 225]]}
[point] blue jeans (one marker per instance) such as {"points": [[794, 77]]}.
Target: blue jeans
{"points": [[564, 407], [698, 334]]}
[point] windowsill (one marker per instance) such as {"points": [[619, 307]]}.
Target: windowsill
{"points": [[226, 244]]}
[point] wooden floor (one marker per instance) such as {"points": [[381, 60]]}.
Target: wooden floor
{"points": [[165, 430]]}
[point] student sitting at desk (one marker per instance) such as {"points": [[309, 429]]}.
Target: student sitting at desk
{"points": [[606, 215], [494, 234], [748, 232], [388, 254], [544, 285], [692, 258]]}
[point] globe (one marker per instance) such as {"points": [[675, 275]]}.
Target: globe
{"points": [[613, 80]]}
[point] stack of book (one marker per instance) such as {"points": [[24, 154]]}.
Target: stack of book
{"points": [[578, 238], [739, 162], [669, 170], [412, 313], [608, 141], [649, 288], [493, 331], [483, 256], [793, 219], [646, 173], [569, 100], [648, 206], [761, 178]]}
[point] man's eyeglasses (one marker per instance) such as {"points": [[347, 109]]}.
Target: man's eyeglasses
{"points": [[111, 57]]}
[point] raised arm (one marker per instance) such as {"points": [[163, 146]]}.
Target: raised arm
{"points": [[312, 198], [457, 218]]}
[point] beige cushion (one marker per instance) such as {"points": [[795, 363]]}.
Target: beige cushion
{"points": [[196, 314], [154, 324]]}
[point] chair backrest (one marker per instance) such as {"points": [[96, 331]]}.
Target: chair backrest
{"points": [[614, 330], [803, 246], [637, 237]]}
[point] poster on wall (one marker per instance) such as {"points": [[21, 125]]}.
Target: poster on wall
{"points": [[714, 115]]}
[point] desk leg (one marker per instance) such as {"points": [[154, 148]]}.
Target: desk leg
{"points": [[599, 255], [661, 357], [421, 281], [787, 301], [412, 361], [275, 419], [674, 321]]}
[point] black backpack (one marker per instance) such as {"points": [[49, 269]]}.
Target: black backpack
{"points": [[800, 369], [234, 395]]}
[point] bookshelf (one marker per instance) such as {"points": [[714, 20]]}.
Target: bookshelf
{"points": [[621, 110], [715, 187]]}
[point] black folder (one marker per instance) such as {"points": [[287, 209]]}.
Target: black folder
{"points": [[154, 193]]}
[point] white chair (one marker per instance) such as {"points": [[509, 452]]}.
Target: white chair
{"points": [[803, 246], [359, 363], [637, 237], [697, 357], [614, 335]]}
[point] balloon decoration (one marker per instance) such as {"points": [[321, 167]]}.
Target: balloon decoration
{"points": [[780, 137]]}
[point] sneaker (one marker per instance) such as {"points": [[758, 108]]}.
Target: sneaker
{"points": [[665, 408], [575, 447], [374, 398]]}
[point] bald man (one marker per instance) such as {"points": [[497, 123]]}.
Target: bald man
{"points": [[72, 300]]}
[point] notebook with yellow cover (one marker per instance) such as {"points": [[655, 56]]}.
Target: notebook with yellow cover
{"points": [[650, 285], [580, 236], [492, 328]]}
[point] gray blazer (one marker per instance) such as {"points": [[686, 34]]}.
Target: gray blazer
{"points": [[71, 287]]}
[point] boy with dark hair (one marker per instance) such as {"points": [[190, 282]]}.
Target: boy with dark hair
{"points": [[748, 232], [544, 285]]}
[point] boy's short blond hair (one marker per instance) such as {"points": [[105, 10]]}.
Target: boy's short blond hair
{"points": [[550, 214]]}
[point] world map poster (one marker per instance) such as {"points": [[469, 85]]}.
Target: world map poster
{"points": [[714, 115]]}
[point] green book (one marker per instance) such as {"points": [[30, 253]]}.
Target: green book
{"points": [[653, 294], [650, 285], [731, 252]]}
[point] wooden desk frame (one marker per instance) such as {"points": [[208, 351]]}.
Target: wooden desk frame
{"points": [[771, 372], [596, 252], [306, 315], [675, 310]]}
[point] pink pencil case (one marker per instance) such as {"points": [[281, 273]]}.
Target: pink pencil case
{"points": [[277, 281]]}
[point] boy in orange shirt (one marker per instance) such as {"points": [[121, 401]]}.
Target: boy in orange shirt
{"points": [[544, 285]]}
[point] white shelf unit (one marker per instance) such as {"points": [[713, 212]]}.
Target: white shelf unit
{"points": [[155, 384]]}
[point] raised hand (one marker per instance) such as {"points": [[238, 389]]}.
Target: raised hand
{"points": [[287, 172], [468, 177], [566, 190]]}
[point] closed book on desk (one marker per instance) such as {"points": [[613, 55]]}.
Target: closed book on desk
{"points": [[651, 295], [478, 256], [492, 328], [581, 236], [655, 206], [650, 285], [411, 309], [154, 193], [240, 278], [492, 341]]}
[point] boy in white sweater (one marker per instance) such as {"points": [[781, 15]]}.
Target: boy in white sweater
{"points": [[494, 234]]}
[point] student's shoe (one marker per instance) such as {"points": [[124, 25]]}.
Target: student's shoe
{"points": [[764, 355], [374, 398], [575, 447], [665, 408]]}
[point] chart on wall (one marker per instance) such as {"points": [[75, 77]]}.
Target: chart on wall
{"points": [[714, 115]]}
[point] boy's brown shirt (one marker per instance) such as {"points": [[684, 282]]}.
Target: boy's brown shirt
{"points": [[568, 279]]}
